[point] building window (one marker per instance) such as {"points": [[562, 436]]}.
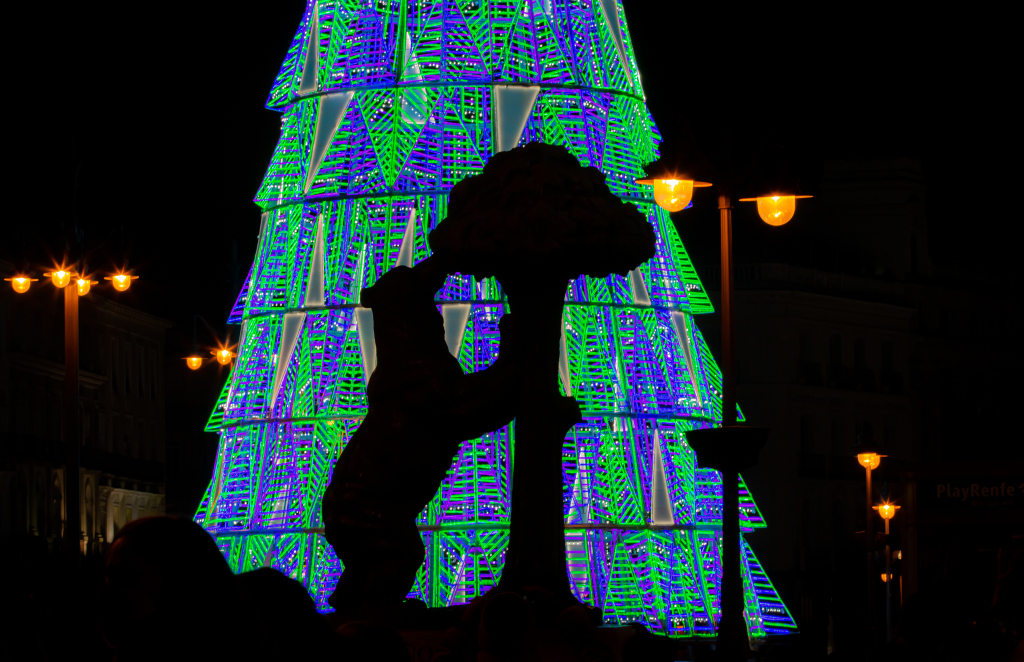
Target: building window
{"points": [[152, 374], [86, 429], [837, 437], [115, 357], [806, 435], [127, 368], [130, 447], [117, 435], [835, 350], [142, 371]]}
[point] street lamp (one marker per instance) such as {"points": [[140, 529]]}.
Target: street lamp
{"points": [[61, 277], [223, 355], [673, 191], [20, 284], [887, 511], [121, 281], [869, 456]]}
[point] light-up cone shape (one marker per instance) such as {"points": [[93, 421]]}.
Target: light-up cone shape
{"points": [[224, 356], [384, 108], [194, 362]]}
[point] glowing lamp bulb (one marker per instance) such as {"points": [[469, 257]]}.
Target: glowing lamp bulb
{"points": [[20, 284], [869, 460], [673, 194], [776, 209], [886, 510], [121, 282], [194, 362], [60, 278], [84, 285], [224, 356]]}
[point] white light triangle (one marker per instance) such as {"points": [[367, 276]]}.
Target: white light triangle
{"points": [[661, 503], [367, 344], [315, 287], [263, 226], [455, 316], [682, 333], [563, 362], [328, 119], [611, 17], [312, 64], [580, 506], [405, 251], [414, 99], [640, 295], [290, 328], [513, 105]]}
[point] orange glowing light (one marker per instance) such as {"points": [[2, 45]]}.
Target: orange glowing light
{"points": [[20, 284], [886, 510], [84, 285], [672, 194], [60, 278], [121, 281], [224, 356], [194, 362], [775, 209], [870, 460]]}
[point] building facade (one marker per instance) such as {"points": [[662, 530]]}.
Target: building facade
{"points": [[121, 416], [888, 345]]}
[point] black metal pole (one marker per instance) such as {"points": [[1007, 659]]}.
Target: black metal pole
{"points": [[728, 360], [732, 634], [70, 428], [869, 539]]}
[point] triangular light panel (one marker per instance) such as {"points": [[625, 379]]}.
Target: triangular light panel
{"points": [[367, 344], [405, 251], [315, 287], [611, 17], [513, 105], [312, 64], [332, 110], [563, 362], [455, 316], [290, 328], [640, 294], [661, 502]]}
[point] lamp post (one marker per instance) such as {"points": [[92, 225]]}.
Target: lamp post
{"points": [[869, 457], [887, 511], [223, 354], [730, 448], [61, 278]]}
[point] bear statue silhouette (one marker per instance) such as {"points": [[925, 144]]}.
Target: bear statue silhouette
{"points": [[421, 407]]}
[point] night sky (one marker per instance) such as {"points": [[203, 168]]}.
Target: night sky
{"points": [[142, 125]]}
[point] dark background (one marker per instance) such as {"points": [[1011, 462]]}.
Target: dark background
{"points": [[141, 127]]}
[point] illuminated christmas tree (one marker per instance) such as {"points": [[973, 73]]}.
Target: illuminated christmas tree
{"points": [[385, 106]]}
